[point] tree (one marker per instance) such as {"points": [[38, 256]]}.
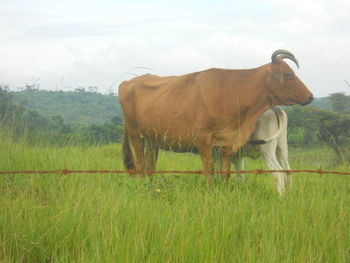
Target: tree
{"points": [[335, 131], [340, 102], [327, 127], [80, 89], [303, 121], [9, 111], [92, 89], [5, 100], [117, 120], [57, 120]]}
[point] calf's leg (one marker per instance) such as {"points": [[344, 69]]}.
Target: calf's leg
{"points": [[268, 153], [282, 154]]}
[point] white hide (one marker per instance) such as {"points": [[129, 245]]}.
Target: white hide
{"points": [[273, 125]]}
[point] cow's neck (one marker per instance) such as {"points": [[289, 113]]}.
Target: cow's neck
{"points": [[249, 102], [250, 97]]}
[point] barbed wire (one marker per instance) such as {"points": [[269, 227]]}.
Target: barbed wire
{"points": [[120, 172]]}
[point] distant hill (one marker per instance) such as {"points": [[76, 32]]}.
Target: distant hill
{"points": [[322, 103], [84, 107], [76, 107]]}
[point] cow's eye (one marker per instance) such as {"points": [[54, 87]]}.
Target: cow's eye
{"points": [[288, 75]]}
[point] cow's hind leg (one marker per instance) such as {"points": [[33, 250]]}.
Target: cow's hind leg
{"points": [[138, 146], [151, 157]]}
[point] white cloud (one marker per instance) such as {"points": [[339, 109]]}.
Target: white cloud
{"points": [[95, 42]]}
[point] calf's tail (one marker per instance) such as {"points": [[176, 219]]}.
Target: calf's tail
{"points": [[127, 153]]}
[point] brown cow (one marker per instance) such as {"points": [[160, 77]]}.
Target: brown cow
{"points": [[202, 110]]}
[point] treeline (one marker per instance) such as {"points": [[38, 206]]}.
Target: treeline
{"points": [[81, 106], [310, 126], [20, 122], [307, 126]]}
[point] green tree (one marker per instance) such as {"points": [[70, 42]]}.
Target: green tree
{"points": [[340, 102], [303, 121], [335, 131], [320, 126]]}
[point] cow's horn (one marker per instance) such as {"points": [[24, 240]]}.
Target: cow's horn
{"points": [[281, 54]]}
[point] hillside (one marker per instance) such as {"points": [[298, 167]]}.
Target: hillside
{"points": [[322, 103], [76, 107], [83, 107]]}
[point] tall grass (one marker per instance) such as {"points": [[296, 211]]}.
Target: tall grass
{"points": [[109, 218]]}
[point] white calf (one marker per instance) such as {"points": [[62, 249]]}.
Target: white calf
{"points": [[271, 128]]}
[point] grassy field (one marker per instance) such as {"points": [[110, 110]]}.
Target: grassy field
{"points": [[108, 218]]}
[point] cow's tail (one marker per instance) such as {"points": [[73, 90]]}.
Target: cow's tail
{"points": [[281, 117], [127, 153]]}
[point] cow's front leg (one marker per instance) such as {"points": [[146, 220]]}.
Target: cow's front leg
{"points": [[205, 152], [226, 160]]}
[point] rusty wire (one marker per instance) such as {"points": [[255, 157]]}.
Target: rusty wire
{"points": [[259, 171]]}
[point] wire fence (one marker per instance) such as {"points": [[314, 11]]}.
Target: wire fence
{"points": [[123, 172]]}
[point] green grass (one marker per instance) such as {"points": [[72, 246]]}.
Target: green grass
{"points": [[109, 218]]}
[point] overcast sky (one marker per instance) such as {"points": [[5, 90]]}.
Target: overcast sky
{"points": [[71, 43]]}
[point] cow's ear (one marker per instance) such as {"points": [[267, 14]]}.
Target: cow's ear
{"points": [[276, 73], [276, 76]]}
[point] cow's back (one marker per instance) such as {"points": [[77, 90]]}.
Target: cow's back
{"points": [[212, 105], [162, 108]]}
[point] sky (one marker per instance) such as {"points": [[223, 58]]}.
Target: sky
{"points": [[63, 45]]}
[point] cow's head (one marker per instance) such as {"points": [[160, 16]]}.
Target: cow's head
{"points": [[285, 87]]}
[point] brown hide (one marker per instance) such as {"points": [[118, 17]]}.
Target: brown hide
{"points": [[211, 108]]}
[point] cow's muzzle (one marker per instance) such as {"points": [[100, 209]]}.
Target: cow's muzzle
{"points": [[311, 98]]}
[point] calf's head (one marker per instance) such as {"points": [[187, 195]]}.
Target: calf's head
{"points": [[285, 87]]}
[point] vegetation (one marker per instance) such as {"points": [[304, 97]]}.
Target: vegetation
{"points": [[109, 218], [340, 102], [79, 107], [86, 106], [58, 118], [311, 126], [20, 121]]}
